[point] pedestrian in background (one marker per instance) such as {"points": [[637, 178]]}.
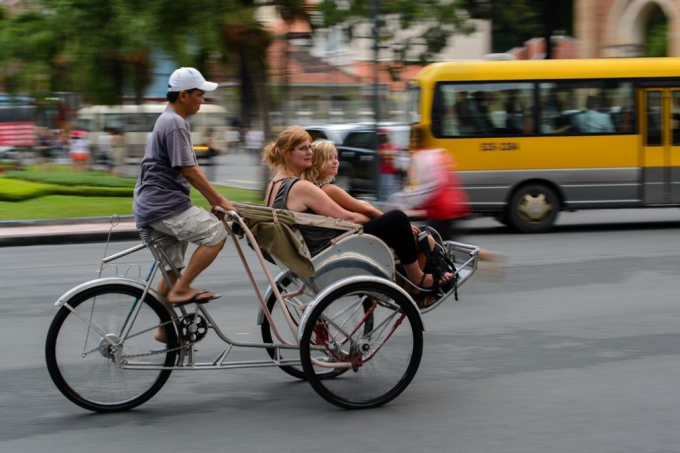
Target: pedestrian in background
{"points": [[254, 141], [105, 149], [232, 136], [45, 148], [387, 178], [436, 193], [119, 153], [79, 150]]}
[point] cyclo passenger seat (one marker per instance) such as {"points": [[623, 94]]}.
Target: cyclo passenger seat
{"points": [[351, 252]]}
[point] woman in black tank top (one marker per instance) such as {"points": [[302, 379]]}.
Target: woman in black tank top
{"points": [[290, 155]]}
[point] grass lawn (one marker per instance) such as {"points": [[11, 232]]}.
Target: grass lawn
{"points": [[63, 207], [58, 194]]}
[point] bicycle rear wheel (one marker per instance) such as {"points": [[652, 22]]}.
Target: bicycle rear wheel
{"points": [[383, 342], [81, 361], [295, 309]]}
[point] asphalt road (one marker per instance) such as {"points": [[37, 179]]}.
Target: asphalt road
{"points": [[575, 349]]}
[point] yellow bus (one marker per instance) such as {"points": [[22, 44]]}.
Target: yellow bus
{"points": [[532, 138]]}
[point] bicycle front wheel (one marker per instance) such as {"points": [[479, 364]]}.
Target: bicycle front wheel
{"points": [[370, 328], [85, 350]]}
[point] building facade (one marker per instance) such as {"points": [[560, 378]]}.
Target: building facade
{"points": [[621, 28]]}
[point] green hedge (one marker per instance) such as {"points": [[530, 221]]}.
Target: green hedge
{"points": [[57, 194], [63, 177], [16, 190]]}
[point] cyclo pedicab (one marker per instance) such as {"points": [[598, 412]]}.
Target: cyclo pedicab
{"points": [[355, 334]]}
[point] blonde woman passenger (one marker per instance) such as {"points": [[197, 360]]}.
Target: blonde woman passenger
{"points": [[325, 165], [290, 156]]}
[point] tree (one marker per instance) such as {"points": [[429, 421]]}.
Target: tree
{"points": [[103, 48], [291, 11], [516, 21], [436, 20], [656, 39], [26, 48]]}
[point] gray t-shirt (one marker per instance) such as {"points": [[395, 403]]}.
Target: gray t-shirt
{"points": [[161, 191]]}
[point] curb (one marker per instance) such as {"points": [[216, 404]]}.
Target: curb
{"points": [[73, 237], [68, 221], [66, 231]]}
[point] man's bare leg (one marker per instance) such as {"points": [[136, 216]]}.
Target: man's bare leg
{"points": [[202, 258], [181, 289], [163, 290]]}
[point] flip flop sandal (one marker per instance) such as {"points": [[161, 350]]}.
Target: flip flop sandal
{"points": [[196, 300]]}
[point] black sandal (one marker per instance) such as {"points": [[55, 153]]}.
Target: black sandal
{"points": [[436, 263]]}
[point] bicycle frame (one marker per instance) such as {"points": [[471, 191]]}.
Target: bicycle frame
{"points": [[342, 306], [189, 362]]}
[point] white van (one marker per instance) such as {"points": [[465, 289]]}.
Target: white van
{"points": [[136, 123]]}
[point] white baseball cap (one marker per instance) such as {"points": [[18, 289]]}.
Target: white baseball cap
{"points": [[187, 79]]}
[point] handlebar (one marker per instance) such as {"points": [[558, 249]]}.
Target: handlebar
{"points": [[231, 215]]}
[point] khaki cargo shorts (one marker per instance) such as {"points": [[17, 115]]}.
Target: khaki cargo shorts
{"points": [[195, 225]]}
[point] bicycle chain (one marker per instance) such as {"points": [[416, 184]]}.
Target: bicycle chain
{"points": [[162, 351]]}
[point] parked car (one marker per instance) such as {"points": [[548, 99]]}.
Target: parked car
{"points": [[357, 154], [8, 152], [333, 132]]}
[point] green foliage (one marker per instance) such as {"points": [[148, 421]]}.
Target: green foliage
{"points": [[26, 46], [64, 207], [440, 20], [656, 39], [516, 21], [23, 200], [101, 47], [16, 190], [11, 190], [70, 178]]}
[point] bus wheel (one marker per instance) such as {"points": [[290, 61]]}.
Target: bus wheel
{"points": [[533, 208]]}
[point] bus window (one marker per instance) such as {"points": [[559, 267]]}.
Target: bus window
{"points": [[111, 121], [586, 107], [82, 124], [676, 118], [216, 120], [489, 109], [654, 119]]}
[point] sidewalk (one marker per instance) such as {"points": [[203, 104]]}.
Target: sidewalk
{"points": [[20, 233], [62, 231]]}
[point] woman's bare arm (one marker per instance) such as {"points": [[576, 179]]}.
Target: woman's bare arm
{"points": [[305, 195], [350, 203]]}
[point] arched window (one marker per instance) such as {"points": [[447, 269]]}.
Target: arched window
{"points": [[656, 34]]}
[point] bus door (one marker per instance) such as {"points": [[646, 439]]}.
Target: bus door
{"points": [[661, 145]]}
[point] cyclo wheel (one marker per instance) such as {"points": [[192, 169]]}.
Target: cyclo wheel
{"points": [[81, 361], [384, 357], [296, 313]]}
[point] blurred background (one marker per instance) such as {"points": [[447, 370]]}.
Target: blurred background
{"points": [[93, 73], [569, 344]]}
